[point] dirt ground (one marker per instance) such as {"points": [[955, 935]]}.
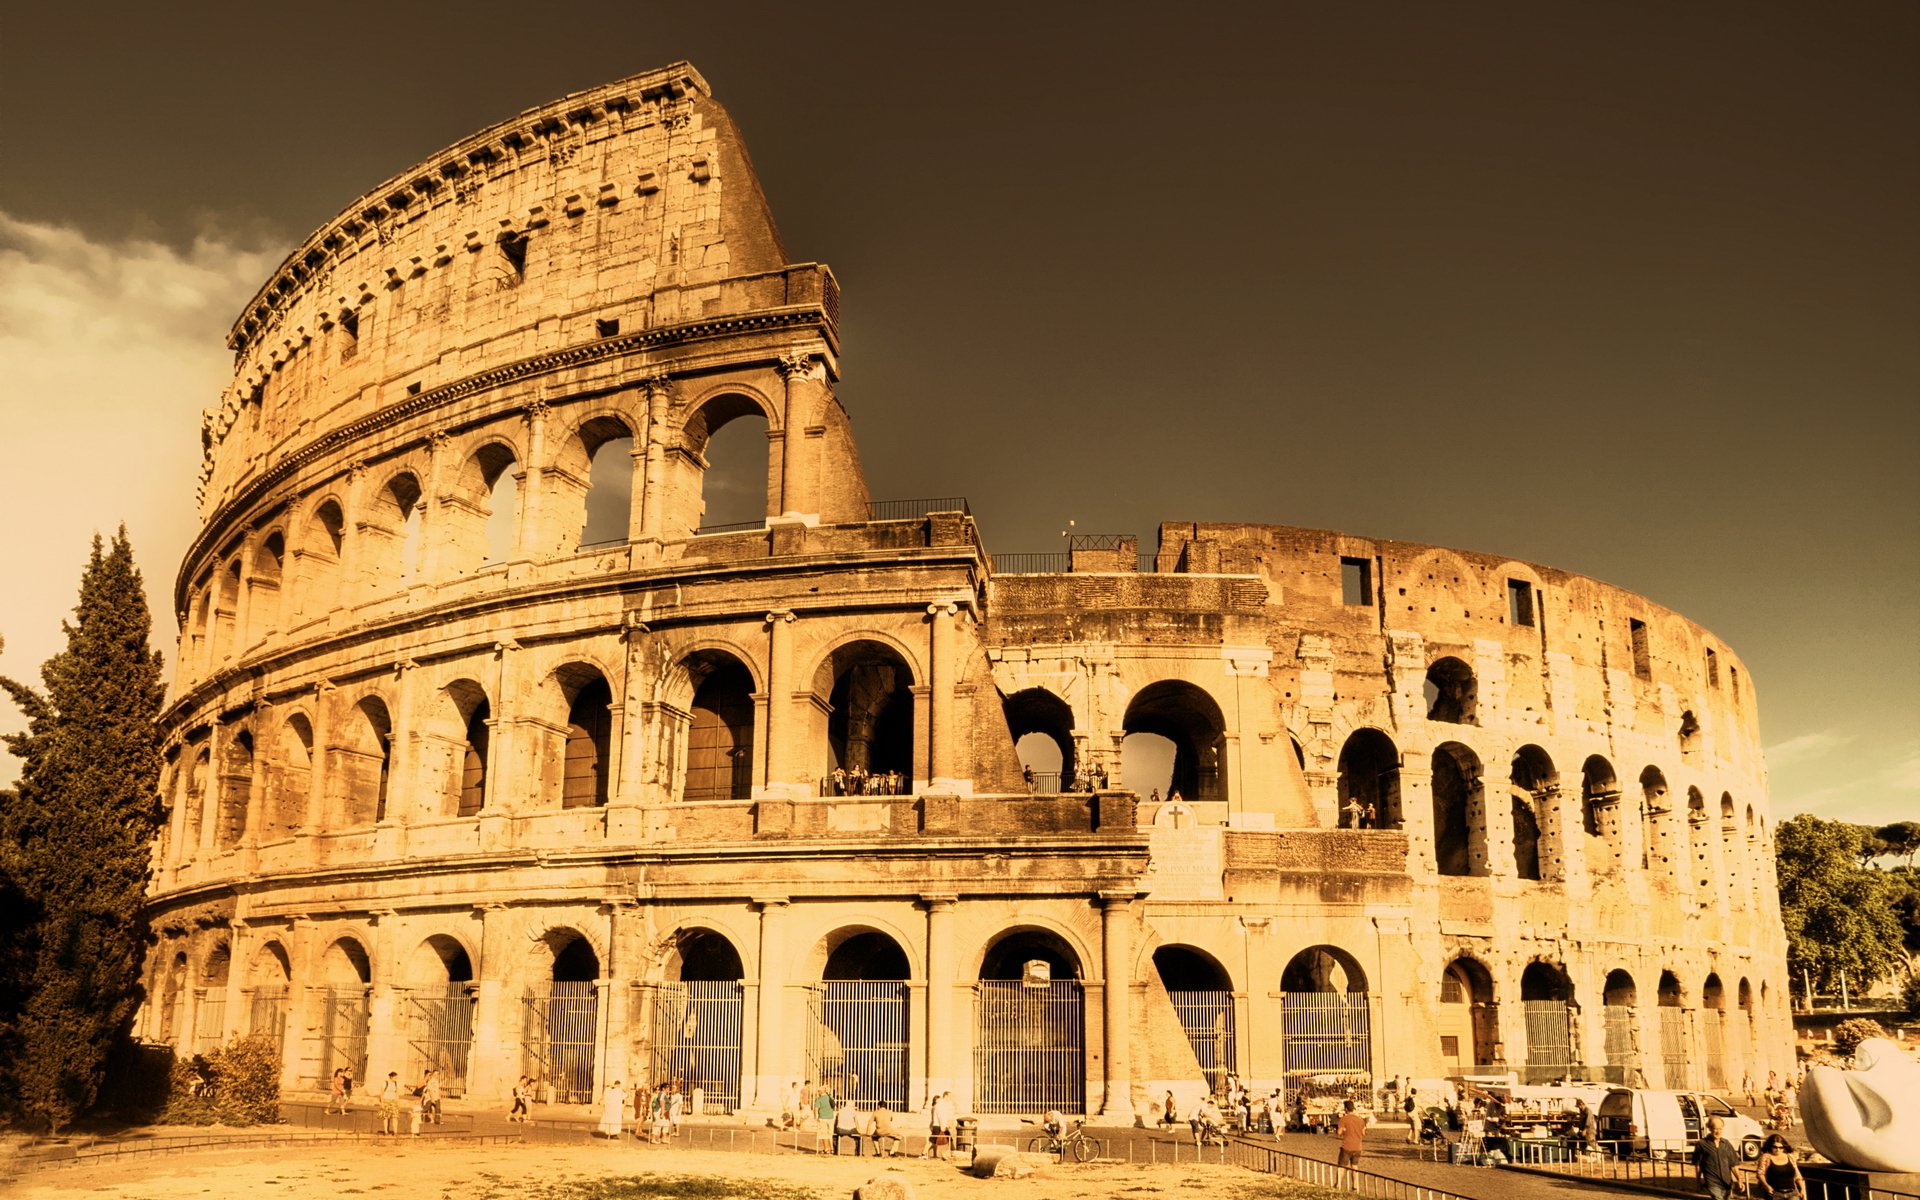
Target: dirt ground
{"points": [[535, 1172]]}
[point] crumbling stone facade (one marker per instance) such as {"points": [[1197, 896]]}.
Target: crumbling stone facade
{"points": [[457, 776]]}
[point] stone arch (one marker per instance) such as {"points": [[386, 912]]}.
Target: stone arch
{"points": [[871, 712], [1547, 1003], [594, 483], [1676, 1040], [391, 533], [728, 443], [1323, 968], [1451, 691], [271, 965], [1369, 778], [290, 779], [1004, 954], [225, 640], [362, 759], [1201, 992], [1619, 1001], [236, 789], [174, 991], [1030, 1021], [696, 953], [718, 726], [265, 577], [1600, 810], [698, 1015], [564, 953], [1469, 1028], [1459, 811], [563, 1012], [577, 755], [478, 515], [199, 778], [1326, 1017], [1656, 808], [438, 961], [344, 963], [318, 552], [1189, 717], [1041, 726]]}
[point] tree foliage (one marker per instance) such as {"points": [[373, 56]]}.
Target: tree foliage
{"points": [[1901, 837], [238, 1084], [1848, 1034], [74, 846], [1839, 915]]}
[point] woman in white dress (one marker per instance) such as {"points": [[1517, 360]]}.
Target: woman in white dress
{"points": [[613, 1111]]}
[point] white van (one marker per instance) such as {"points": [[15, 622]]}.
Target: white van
{"points": [[1661, 1124]]}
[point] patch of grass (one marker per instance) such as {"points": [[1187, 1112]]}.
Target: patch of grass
{"points": [[662, 1187]]}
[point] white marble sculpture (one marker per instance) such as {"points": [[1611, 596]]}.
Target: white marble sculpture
{"points": [[1868, 1117]]}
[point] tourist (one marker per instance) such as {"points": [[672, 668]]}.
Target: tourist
{"points": [[337, 1091], [613, 1111], [1167, 1114], [1354, 811], [1155, 797], [846, 1124], [941, 1125], [430, 1098], [390, 1105], [1411, 1106], [676, 1107], [522, 1092], [1353, 1131], [1026, 773], [1783, 1117], [823, 1106], [886, 1137], [1778, 1171], [1717, 1161], [1371, 818]]}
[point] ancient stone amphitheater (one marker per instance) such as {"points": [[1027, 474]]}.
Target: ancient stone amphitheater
{"points": [[491, 752]]}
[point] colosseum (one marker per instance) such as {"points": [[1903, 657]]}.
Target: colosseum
{"points": [[490, 751]]}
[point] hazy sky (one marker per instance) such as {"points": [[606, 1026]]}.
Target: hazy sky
{"points": [[1629, 289]]}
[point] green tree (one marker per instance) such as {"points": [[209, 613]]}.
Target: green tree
{"points": [[1839, 916], [75, 841], [1901, 837]]}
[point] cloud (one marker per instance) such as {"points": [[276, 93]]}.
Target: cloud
{"points": [[112, 349], [1806, 747]]}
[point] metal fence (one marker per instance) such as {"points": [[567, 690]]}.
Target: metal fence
{"points": [[696, 1039], [344, 1014], [1615, 1164], [210, 1019], [1715, 1035], [731, 527], [1675, 1061], [1207, 1018], [267, 1013], [857, 1043], [1623, 1042], [1325, 1033], [911, 510], [440, 1035], [1046, 562], [559, 1039], [1029, 1046], [1549, 1040]]}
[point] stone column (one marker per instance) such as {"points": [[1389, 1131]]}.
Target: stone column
{"points": [[210, 794], [303, 999], [798, 484], [772, 1055], [941, 670], [623, 920], [386, 1030], [628, 790], [528, 539], [495, 1061], [1416, 814], [243, 598], [238, 947], [780, 726], [316, 815], [432, 566], [653, 502], [943, 1021], [1116, 928], [352, 532]]}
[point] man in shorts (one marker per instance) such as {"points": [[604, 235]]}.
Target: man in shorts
{"points": [[1353, 1131]]}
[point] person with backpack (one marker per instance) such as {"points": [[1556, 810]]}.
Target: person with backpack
{"points": [[1411, 1106]]}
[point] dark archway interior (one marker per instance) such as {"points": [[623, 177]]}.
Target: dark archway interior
{"points": [[1451, 829], [705, 955], [1184, 969], [1526, 840], [1533, 771], [1370, 775], [1671, 994], [1452, 694], [1323, 969], [589, 745], [576, 963], [871, 726], [1472, 978], [1187, 717], [1620, 990], [1037, 710], [720, 740], [1544, 981], [1007, 958], [866, 956]]}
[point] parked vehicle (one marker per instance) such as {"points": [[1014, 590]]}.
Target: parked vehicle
{"points": [[1658, 1124]]}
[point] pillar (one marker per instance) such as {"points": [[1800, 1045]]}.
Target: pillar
{"points": [[942, 671], [239, 945], [527, 540], [493, 1064], [771, 1052], [386, 1028], [798, 493], [316, 815], [943, 1020], [780, 759], [303, 997], [1116, 929], [616, 999], [653, 501]]}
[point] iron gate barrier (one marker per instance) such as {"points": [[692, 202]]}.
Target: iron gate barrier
{"points": [[560, 1039], [210, 1018], [344, 1015], [1716, 1039], [440, 1035], [1326, 1034], [1207, 1018], [1029, 1046], [1549, 1040], [1623, 1043], [857, 1044], [696, 1039], [1674, 1059]]}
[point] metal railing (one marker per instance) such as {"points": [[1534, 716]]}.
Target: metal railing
{"points": [[1616, 1163], [732, 527], [913, 510], [1046, 562], [697, 1039], [1029, 1046], [1270, 1161]]}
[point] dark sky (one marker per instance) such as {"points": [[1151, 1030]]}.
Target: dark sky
{"points": [[1628, 289]]}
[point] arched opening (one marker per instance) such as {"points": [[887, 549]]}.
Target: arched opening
{"points": [[1459, 812], [1676, 1028], [1452, 693], [1700, 841], [198, 776], [587, 757], [345, 1010], [1186, 716], [395, 530], [1622, 1031], [263, 587], [720, 734], [563, 1018], [173, 999], [1369, 781], [1656, 811], [1689, 737], [728, 466], [473, 760], [857, 1040], [210, 1000], [1747, 1035], [1469, 1024], [1041, 725], [1600, 802], [870, 719], [287, 797], [1546, 999], [1202, 997], [476, 525], [697, 1019], [226, 609], [236, 790], [460, 735], [1146, 764], [1713, 1008], [1732, 864], [319, 553], [607, 447], [1029, 1026], [438, 1009], [269, 981], [358, 778], [1326, 1025]]}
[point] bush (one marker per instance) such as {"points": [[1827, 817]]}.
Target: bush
{"points": [[238, 1084], [1910, 995], [1848, 1034]]}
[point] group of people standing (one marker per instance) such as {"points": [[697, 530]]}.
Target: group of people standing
{"points": [[657, 1112], [807, 1107], [421, 1102], [858, 781]]}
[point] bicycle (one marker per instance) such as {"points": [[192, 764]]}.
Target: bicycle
{"points": [[1076, 1142]]}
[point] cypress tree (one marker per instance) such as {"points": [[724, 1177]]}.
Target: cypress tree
{"points": [[75, 845]]}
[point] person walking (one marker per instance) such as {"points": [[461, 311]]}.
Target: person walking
{"points": [[517, 1111], [337, 1092], [430, 1098], [613, 1111], [390, 1104], [1411, 1106], [1716, 1160], [1353, 1132], [1778, 1171]]}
